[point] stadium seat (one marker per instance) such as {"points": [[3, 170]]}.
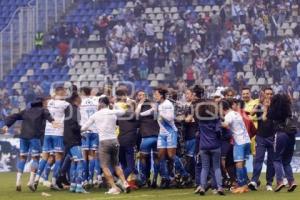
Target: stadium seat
{"points": [[154, 84], [173, 10], [252, 81], [91, 77], [151, 77], [45, 66], [249, 75], [160, 77], [23, 79], [261, 81]]}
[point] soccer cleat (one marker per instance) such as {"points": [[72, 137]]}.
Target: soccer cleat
{"points": [[202, 192], [292, 187], [19, 188], [79, 189], [54, 187], [279, 187], [214, 191], [165, 183], [47, 184], [221, 192], [113, 191], [85, 184], [269, 188], [126, 188], [197, 190], [186, 181], [73, 188], [154, 183], [252, 186], [31, 187]]}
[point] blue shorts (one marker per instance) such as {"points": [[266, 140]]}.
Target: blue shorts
{"points": [[241, 152], [167, 141], [32, 146], [148, 144], [53, 143], [190, 146], [90, 141], [76, 153]]}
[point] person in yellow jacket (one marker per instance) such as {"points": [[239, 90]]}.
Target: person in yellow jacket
{"points": [[250, 105], [39, 40]]}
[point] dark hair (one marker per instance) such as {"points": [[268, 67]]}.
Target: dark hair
{"points": [[199, 91], [246, 88], [267, 88], [280, 108], [104, 100], [239, 102], [229, 90], [162, 91], [73, 98], [121, 92], [86, 90], [226, 104], [59, 88]]}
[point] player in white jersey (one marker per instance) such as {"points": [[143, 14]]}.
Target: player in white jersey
{"points": [[90, 143], [241, 149], [167, 138], [53, 140]]}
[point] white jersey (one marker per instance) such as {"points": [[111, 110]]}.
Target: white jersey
{"points": [[237, 127], [89, 105], [57, 110], [105, 121], [166, 114]]}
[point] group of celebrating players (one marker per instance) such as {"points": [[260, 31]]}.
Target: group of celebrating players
{"points": [[127, 143]]}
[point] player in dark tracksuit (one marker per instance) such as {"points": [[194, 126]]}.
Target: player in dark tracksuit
{"points": [[264, 143], [72, 142], [284, 142], [149, 130], [32, 130], [127, 138]]}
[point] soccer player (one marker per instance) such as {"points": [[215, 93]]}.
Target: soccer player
{"points": [[264, 142], [105, 120], [90, 142], [241, 149], [280, 112], [53, 140], [148, 129], [72, 141], [167, 138], [33, 126]]}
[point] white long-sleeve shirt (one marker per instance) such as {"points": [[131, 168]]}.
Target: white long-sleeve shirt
{"points": [[56, 108], [105, 121], [166, 112], [88, 107]]}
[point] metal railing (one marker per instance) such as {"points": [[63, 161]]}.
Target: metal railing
{"points": [[17, 38]]}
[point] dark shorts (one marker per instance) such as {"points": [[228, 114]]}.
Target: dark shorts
{"points": [[226, 149], [109, 153]]}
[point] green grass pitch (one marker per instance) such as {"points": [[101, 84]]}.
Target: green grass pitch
{"points": [[7, 192]]}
